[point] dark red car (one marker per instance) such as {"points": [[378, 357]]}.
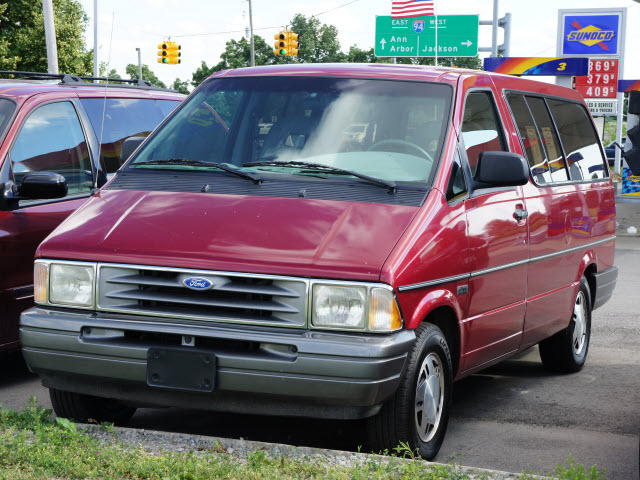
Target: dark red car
{"points": [[57, 126], [333, 241]]}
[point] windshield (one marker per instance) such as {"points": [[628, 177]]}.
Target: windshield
{"points": [[388, 130]]}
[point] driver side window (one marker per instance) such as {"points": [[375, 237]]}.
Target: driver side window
{"points": [[52, 140], [481, 130]]}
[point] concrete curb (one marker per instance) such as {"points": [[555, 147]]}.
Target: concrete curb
{"points": [[181, 442]]}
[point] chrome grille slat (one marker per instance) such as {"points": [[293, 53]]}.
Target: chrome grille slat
{"points": [[201, 300], [227, 287], [232, 297]]}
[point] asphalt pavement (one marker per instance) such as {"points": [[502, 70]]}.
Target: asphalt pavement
{"points": [[514, 416]]}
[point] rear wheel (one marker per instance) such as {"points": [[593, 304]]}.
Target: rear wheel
{"points": [[89, 409], [566, 351], [418, 413]]}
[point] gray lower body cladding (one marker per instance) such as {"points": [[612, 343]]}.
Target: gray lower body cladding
{"points": [[291, 372]]}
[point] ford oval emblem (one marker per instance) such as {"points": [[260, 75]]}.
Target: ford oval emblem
{"points": [[197, 283]]}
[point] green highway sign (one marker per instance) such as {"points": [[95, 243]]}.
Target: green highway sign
{"points": [[416, 37]]}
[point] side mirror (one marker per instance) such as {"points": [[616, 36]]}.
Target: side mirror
{"points": [[129, 146], [43, 185], [501, 169]]}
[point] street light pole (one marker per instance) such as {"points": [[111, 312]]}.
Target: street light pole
{"points": [[95, 39], [50, 36], [494, 32], [253, 50], [139, 64]]}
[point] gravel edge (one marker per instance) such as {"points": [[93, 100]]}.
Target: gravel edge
{"points": [[156, 442]]}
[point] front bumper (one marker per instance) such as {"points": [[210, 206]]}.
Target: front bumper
{"points": [[259, 370]]}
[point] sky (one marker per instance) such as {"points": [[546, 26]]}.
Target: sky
{"points": [[203, 27]]}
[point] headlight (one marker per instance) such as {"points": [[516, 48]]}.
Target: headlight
{"points": [[355, 307], [71, 284], [337, 306]]}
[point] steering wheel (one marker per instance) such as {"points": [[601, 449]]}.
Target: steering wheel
{"points": [[404, 144]]}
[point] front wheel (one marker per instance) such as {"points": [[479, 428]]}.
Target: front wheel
{"points": [[418, 413], [566, 351], [89, 409]]}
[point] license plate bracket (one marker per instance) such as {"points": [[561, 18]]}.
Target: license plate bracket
{"points": [[181, 369]]}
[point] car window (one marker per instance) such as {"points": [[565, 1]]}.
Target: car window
{"points": [[124, 118], [579, 140], [550, 143], [456, 188], [6, 109], [167, 106], [481, 131], [384, 129], [534, 151], [51, 139]]}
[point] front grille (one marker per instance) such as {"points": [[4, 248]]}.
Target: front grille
{"points": [[232, 297]]}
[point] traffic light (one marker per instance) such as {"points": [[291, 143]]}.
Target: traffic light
{"points": [[280, 47], [292, 44], [169, 53], [632, 156], [286, 44], [174, 53], [163, 52]]}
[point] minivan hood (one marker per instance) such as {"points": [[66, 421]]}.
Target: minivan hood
{"points": [[284, 236]]}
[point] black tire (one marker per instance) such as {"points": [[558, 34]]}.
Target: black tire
{"points": [[566, 351], [398, 421], [89, 409]]}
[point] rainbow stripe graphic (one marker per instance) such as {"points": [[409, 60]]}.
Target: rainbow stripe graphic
{"points": [[538, 65], [628, 85]]}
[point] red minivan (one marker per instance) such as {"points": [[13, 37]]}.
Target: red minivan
{"points": [[256, 255], [52, 126]]}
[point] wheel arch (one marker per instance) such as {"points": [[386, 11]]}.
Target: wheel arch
{"points": [[441, 308], [588, 269]]}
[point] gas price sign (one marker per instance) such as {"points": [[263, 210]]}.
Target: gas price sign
{"points": [[602, 81]]}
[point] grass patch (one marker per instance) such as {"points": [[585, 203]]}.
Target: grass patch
{"points": [[33, 446]]}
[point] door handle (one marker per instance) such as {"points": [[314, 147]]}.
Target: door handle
{"points": [[520, 214]]}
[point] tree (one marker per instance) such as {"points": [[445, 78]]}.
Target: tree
{"points": [[201, 74], [473, 63], [318, 42], [180, 86], [132, 71], [22, 39]]}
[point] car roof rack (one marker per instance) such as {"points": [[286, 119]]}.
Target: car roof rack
{"points": [[68, 79]]}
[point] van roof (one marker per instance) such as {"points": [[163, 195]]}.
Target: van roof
{"points": [[20, 89], [449, 75]]}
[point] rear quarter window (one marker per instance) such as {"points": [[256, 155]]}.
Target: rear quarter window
{"points": [[579, 139]]}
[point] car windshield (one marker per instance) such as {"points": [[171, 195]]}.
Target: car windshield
{"points": [[391, 131]]}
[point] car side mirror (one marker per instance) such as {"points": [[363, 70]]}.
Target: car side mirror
{"points": [[500, 169], [34, 186], [43, 186], [129, 146]]}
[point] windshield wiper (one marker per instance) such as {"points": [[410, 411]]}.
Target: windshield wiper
{"points": [[254, 177], [387, 185]]}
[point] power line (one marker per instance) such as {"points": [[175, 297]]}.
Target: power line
{"points": [[263, 28]]}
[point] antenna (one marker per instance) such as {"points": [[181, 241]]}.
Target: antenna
{"points": [[106, 85]]}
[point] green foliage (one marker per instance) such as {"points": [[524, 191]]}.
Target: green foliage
{"points": [[180, 86], [30, 417], [132, 71], [22, 39], [318, 41], [575, 471], [201, 74]]}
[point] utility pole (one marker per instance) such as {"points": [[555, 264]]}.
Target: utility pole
{"points": [[139, 64], [494, 31], [50, 36], [95, 39], [253, 50]]}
